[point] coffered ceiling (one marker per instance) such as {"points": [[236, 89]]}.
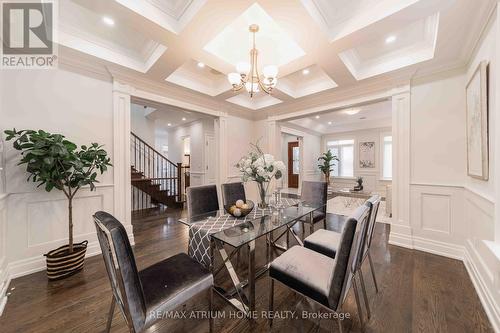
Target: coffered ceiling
{"points": [[323, 48], [373, 115]]}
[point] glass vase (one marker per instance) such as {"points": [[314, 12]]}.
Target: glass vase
{"points": [[263, 195]]}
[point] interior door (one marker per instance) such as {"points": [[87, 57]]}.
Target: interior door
{"points": [[293, 164], [210, 162]]}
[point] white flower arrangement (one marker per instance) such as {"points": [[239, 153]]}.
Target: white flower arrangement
{"points": [[260, 167]]}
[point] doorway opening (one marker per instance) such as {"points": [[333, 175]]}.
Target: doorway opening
{"points": [[350, 148], [293, 164], [291, 155], [169, 152]]}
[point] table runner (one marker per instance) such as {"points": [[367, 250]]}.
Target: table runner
{"points": [[199, 232]]}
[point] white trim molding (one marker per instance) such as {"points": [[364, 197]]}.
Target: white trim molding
{"points": [[4, 275], [121, 153], [456, 222], [401, 231]]}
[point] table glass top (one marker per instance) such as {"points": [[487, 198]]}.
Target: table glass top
{"points": [[251, 229]]}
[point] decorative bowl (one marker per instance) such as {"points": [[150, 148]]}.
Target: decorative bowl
{"points": [[239, 212]]}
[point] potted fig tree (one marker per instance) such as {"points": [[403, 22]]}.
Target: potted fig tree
{"points": [[56, 163], [326, 165]]}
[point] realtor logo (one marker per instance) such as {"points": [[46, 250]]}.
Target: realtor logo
{"points": [[28, 34]]}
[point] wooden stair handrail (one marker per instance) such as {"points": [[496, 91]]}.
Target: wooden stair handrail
{"points": [[154, 150]]}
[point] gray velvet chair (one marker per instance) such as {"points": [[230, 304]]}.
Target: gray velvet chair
{"points": [[327, 242], [231, 192], [316, 192], [374, 204], [202, 199], [141, 295], [324, 280]]}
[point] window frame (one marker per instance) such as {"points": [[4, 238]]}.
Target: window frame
{"points": [[339, 146]]}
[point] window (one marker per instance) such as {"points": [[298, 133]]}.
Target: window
{"points": [[344, 150], [387, 157]]}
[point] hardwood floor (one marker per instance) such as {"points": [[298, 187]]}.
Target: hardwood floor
{"points": [[419, 292]]}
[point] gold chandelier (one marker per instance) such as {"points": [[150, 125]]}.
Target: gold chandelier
{"points": [[248, 74]]}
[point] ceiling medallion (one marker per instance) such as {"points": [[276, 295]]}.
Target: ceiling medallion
{"points": [[248, 74]]}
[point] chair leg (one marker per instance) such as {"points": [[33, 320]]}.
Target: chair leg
{"points": [[324, 224], [365, 296], [358, 303], [210, 307], [373, 270], [110, 315], [271, 301]]}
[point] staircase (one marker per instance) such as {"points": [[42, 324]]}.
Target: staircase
{"points": [[155, 179]]}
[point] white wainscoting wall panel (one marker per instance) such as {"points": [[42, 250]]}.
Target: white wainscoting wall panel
{"points": [[458, 223], [4, 276], [436, 215], [481, 253], [37, 223]]}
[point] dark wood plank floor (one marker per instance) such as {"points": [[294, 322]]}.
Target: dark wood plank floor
{"points": [[419, 292]]}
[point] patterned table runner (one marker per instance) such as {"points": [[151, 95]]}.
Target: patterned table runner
{"points": [[199, 232]]}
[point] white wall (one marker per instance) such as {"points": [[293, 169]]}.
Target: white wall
{"points": [[142, 126], [437, 130], [240, 134], [4, 275], [372, 177], [452, 214], [161, 140], [197, 131], [79, 107], [311, 150], [482, 219]]}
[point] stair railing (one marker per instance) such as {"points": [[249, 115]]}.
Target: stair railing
{"points": [[155, 167]]}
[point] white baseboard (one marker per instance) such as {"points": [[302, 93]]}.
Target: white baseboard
{"points": [[4, 285], [449, 250], [401, 235], [27, 266], [3, 302], [467, 254], [492, 309], [3, 294]]}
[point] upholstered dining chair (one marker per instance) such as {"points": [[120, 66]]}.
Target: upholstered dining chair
{"points": [[202, 199], [324, 280], [374, 204], [143, 296], [316, 192], [231, 192], [327, 242]]}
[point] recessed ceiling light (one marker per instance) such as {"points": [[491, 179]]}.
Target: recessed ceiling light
{"points": [[390, 39], [329, 123], [201, 65], [108, 20], [183, 119], [169, 124], [306, 71], [317, 117], [352, 112]]}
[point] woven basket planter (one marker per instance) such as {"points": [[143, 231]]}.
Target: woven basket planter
{"points": [[61, 264]]}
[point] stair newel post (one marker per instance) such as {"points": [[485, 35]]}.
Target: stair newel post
{"points": [[179, 181]]}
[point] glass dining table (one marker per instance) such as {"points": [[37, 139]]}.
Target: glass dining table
{"points": [[213, 232]]}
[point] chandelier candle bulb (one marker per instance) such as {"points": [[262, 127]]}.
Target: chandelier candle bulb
{"points": [[234, 78]]}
